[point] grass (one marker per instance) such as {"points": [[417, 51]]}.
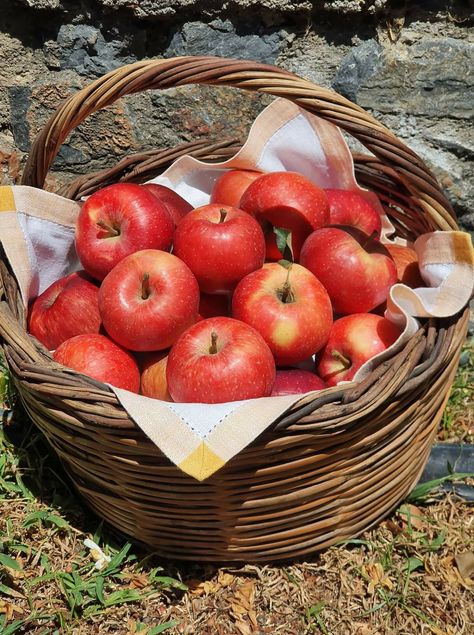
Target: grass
{"points": [[458, 417], [404, 576]]}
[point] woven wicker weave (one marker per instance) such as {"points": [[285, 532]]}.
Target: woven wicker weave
{"points": [[331, 467]]}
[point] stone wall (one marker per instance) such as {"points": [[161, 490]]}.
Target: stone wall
{"points": [[409, 63]]}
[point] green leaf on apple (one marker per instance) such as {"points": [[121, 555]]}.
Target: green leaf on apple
{"points": [[284, 243]]}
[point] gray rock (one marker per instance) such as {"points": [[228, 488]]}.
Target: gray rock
{"points": [[19, 104], [358, 68], [434, 77], [84, 49], [70, 156], [220, 38]]}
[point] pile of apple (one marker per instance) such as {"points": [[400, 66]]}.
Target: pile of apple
{"points": [[232, 300]]}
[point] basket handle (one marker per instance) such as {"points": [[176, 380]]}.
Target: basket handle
{"points": [[248, 75]]}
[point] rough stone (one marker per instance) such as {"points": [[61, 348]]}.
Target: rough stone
{"points": [[24, 64], [421, 88], [432, 77], [9, 159], [42, 4], [5, 114], [83, 48], [19, 104], [181, 114], [220, 38], [170, 8], [358, 68]]}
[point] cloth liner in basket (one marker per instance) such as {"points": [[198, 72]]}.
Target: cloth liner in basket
{"points": [[37, 233]]}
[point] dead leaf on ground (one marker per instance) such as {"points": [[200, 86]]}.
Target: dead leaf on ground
{"points": [[465, 564], [198, 588], [411, 515], [225, 579], [394, 528], [242, 605], [243, 628], [137, 580], [375, 575], [8, 609], [437, 631], [364, 629]]}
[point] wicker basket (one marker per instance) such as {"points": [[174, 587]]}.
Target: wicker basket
{"points": [[329, 469]]}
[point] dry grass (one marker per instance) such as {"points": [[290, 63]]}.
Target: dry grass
{"points": [[406, 576]]}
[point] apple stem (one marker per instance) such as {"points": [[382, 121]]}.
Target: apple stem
{"points": [[113, 231], [287, 294], [146, 291], [213, 346], [373, 235], [341, 358], [223, 216]]}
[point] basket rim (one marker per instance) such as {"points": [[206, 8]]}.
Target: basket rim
{"points": [[247, 75]]}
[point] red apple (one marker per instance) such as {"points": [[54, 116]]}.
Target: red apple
{"points": [[354, 339], [219, 360], [100, 358], [67, 308], [214, 305], [293, 381], [230, 187], [153, 380], [406, 262], [287, 200], [148, 300], [347, 207], [117, 221], [356, 269], [175, 204], [221, 245], [289, 307]]}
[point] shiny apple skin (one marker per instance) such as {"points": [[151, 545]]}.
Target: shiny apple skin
{"points": [[358, 338], [153, 378], [100, 358], [293, 330], [218, 253], [68, 307], [230, 187], [286, 200], [143, 222], [175, 204], [154, 322], [242, 368], [347, 207], [406, 262], [293, 381], [357, 278]]}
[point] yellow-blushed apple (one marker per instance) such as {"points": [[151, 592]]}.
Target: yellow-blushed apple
{"points": [[288, 306], [354, 339]]}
